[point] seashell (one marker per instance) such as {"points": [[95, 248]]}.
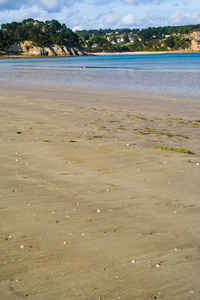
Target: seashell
{"points": [[158, 265], [65, 242], [133, 261]]}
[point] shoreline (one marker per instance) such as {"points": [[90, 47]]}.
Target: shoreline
{"points": [[143, 52], [88, 209], [100, 53]]}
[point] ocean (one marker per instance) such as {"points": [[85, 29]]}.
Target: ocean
{"points": [[174, 74]]}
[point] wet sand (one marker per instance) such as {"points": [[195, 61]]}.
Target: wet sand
{"points": [[88, 209]]}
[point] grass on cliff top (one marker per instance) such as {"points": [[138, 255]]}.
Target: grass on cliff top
{"points": [[173, 149]]}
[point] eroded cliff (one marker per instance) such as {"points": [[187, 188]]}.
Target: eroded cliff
{"points": [[195, 41], [26, 48]]}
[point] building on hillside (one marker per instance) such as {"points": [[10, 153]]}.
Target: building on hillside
{"points": [[131, 40]]}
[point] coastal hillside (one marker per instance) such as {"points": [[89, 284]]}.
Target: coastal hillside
{"points": [[169, 38], [35, 38], [50, 38]]}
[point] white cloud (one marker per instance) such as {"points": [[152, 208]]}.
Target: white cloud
{"points": [[134, 2], [26, 14], [137, 2], [128, 19], [184, 18], [78, 27], [101, 2], [142, 20], [104, 13], [111, 21], [93, 14], [48, 5]]}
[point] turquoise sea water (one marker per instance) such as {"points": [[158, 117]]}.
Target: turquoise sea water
{"points": [[176, 75]]}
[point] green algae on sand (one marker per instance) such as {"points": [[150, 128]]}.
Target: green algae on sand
{"points": [[173, 149]]}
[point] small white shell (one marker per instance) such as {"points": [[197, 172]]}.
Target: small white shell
{"points": [[158, 265], [133, 261]]}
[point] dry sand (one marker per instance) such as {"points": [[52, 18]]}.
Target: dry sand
{"points": [[88, 210]]}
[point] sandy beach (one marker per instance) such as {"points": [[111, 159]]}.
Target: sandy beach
{"points": [[91, 207], [143, 52]]}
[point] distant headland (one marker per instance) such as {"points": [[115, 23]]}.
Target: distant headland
{"points": [[33, 38]]}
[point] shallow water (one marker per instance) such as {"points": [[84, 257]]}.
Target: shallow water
{"points": [[174, 75]]}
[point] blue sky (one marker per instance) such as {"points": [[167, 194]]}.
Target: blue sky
{"points": [[96, 14]]}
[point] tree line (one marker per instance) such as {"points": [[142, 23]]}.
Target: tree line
{"points": [[86, 34], [145, 34]]}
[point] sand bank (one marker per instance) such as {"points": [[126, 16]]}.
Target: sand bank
{"points": [[88, 209], [131, 53]]}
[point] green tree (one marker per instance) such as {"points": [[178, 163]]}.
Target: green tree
{"points": [[170, 42], [41, 33], [126, 38]]}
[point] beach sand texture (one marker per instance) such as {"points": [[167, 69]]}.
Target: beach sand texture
{"points": [[87, 209]]}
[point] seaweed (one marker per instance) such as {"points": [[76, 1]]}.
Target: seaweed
{"points": [[174, 149]]}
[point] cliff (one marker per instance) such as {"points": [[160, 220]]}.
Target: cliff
{"points": [[26, 48], [195, 41]]}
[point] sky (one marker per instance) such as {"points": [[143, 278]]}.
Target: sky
{"points": [[96, 14]]}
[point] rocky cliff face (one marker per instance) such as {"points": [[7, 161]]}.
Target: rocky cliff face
{"points": [[195, 41], [26, 48]]}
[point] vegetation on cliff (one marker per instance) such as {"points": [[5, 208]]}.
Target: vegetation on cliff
{"points": [[40, 33]]}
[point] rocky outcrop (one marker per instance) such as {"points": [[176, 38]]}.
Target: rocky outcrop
{"points": [[26, 48]]}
